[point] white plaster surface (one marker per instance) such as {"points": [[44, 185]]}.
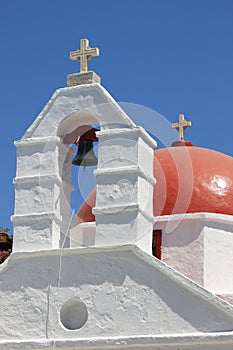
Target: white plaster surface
{"points": [[183, 248], [218, 276], [200, 246], [127, 293]]}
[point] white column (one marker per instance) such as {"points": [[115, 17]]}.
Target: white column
{"points": [[42, 193], [125, 181]]}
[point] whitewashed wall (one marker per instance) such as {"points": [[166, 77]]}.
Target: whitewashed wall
{"points": [[200, 246]]}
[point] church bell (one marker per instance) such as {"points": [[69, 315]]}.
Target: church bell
{"points": [[85, 155]]}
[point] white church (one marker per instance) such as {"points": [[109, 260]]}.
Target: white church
{"points": [[147, 261]]}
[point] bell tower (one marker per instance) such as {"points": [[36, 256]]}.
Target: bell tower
{"points": [[124, 175]]}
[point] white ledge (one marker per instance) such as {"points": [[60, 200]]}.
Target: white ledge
{"points": [[131, 169], [38, 140], [123, 209], [178, 341], [143, 341], [119, 132], [222, 218], [42, 178], [18, 218]]}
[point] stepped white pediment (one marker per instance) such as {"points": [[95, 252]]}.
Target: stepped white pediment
{"points": [[92, 99], [126, 293]]}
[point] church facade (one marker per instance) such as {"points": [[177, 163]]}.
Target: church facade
{"points": [[147, 263]]}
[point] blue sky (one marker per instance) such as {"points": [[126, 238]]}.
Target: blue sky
{"points": [[174, 56]]}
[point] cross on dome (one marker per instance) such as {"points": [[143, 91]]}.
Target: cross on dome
{"points": [[84, 54], [181, 125]]}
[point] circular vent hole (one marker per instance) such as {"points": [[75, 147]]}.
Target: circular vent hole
{"points": [[73, 314]]}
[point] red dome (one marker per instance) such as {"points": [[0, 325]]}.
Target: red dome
{"points": [[189, 180]]}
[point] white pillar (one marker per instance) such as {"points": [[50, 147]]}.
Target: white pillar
{"points": [[42, 193], [125, 181]]}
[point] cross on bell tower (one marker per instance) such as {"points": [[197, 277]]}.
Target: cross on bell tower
{"points": [[181, 125], [84, 54]]}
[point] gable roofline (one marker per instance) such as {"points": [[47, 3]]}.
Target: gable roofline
{"points": [[66, 91], [171, 273]]}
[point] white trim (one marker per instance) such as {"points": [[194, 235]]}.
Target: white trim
{"points": [[221, 218], [138, 130], [38, 141], [131, 169], [36, 216], [42, 178], [122, 209], [135, 342]]}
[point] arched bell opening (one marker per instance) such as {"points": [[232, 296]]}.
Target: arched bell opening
{"points": [[79, 134], [83, 164]]}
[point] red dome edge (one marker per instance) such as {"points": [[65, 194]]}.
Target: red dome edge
{"points": [[189, 180]]}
